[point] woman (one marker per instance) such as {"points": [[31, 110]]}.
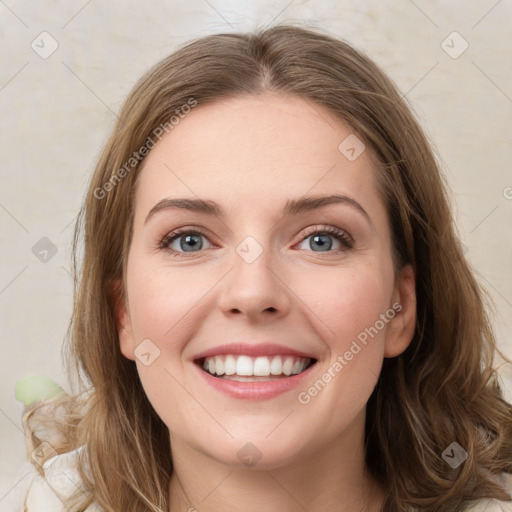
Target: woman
{"points": [[273, 311]]}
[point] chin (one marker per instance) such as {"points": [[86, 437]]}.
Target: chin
{"points": [[258, 454]]}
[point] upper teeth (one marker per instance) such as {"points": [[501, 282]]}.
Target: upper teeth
{"points": [[260, 366]]}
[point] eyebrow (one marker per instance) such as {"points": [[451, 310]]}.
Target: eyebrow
{"points": [[292, 206]]}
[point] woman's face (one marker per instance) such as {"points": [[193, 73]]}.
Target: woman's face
{"points": [[262, 275]]}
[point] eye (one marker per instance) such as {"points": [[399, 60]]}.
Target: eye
{"points": [[321, 239], [186, 241]]}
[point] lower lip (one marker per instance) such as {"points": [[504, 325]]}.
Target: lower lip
{"points": [[255, 390]]}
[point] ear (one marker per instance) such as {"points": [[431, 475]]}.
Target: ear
{"points": [[401, 328], [123, 322]]}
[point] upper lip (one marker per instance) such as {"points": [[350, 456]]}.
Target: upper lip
{"points": [[252, 349]]}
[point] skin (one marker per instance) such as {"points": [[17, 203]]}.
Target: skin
{"points": [[252, 154]]}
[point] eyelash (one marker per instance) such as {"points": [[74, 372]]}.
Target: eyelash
{"points": [[344, 238]]}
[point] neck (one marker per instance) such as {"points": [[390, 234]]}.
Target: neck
{"points": [[332, 477]]}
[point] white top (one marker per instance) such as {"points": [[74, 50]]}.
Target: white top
{"points": [[38, 494], [35, 493]]}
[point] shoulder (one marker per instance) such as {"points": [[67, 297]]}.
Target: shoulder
{"points": [[47, 485], [60, 481], [494, 505], [491, 504]]}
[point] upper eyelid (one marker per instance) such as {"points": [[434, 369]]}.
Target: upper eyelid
{"points": [[203, 231], [304, 233]]}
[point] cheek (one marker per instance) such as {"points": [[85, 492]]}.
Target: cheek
{"points": [[162, 304], [349, 301], [162, 301], [351, 309]]}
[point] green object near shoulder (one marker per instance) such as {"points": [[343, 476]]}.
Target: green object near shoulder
{"points": [[33, 388]]}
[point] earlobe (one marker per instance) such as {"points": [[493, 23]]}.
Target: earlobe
{"points": [[123, 323], [401, 328]]}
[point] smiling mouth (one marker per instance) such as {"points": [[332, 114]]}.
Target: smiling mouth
{"points": [[242, 368]]}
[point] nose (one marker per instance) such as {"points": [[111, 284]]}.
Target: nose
{"points": [[255, 289]]}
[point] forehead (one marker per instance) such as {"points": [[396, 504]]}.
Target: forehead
{"points": [[256, 150]]}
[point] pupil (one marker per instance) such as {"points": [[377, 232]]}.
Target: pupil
{"points": [[189, 239], [322, 244]]}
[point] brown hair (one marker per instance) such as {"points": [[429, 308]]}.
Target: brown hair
{"points": [[442, 389]]}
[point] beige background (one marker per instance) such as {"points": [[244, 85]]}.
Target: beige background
{"points": [[57, 111]]}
